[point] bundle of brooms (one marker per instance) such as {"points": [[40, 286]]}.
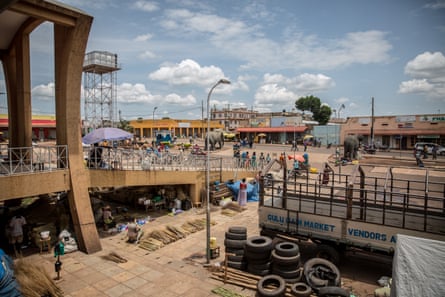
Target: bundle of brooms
{"points": [[158, 238], [34, 281]]}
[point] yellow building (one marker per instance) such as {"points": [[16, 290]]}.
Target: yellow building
{"points": [[148, 128]]}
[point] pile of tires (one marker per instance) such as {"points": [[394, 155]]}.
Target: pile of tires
{"points": [[286, 262], [257, 252], [234, 242], [322, 276]]}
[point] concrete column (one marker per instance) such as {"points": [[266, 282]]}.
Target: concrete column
{"points": [[18, 83], [70, 44]]}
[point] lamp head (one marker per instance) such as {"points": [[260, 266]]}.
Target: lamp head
{"points": [[224, 81]]}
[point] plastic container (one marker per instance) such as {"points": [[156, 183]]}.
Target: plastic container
{"points": [[213, 243], [44, 234]]}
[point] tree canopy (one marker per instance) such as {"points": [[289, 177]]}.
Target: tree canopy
{"points": [[320, 112]]}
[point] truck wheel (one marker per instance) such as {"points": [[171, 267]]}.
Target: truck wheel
{"points": [[300, 290], [237, 265], [253, 256], [327, 252], [287, 249], [271, 286], [333, 292]]}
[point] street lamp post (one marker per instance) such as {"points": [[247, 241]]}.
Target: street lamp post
{"points": [[153, 124], [221, 81]]}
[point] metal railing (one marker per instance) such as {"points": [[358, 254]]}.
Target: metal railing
{"points": [[104, 158], [21, 160], [36, 159]]}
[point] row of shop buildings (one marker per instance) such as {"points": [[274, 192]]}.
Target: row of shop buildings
{"points": [[396, 132]]}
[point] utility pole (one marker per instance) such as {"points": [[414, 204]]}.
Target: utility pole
{"points": [[372, 122]]}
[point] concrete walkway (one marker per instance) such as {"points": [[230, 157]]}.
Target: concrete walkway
{"points": [[176, 269]]}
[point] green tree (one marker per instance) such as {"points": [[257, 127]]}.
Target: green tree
{"points": [[320, 113], [125, 125]]}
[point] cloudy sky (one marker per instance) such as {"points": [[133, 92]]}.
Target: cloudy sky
{"points": [[172, 52]]}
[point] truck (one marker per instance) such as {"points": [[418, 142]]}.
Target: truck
{"points": [[363, 208]]}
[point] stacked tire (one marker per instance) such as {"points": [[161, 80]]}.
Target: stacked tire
{"points": [[257, 252], [234, 242], [286, 262]]}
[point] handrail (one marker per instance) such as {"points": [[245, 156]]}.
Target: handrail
{"points": [[20, 160]]}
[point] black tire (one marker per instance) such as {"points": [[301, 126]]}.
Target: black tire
{"points": [[235, 258], [288, 273], [259, 266], [237, 265], [259, 244], [257, 256], [238, 229], [264, 283], [234, 244], [260, 272], [237, 252], [327, 252], [320, 272], [287, 249], [236, 236], [293, 260], [300, 290], [333, 292]]}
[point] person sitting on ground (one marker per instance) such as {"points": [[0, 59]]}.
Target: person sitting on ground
{"points": [[134, 232]]}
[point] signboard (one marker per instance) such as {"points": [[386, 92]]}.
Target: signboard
{"points": [[405, 119], [432, 118], [184, 125]]}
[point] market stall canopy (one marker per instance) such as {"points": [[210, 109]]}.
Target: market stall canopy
{"points": [[108, 134], [262, 135]]}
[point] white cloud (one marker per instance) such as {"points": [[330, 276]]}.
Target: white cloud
{"points": [[137, 93], [428, 71], [415, 86], [148, 6], [143, 37], [277, 88], [188, 72], [147, 55], [246, 43], [439, 4], [176, 99], [44, 92], [427, 65]]}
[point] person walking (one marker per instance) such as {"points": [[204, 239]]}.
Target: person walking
{"points": [[434, 152]]}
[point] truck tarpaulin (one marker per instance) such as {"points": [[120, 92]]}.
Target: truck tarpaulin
{"points": [[418, 267]]}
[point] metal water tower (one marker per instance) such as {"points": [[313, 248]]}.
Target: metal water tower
{"points": [[100, 89]]}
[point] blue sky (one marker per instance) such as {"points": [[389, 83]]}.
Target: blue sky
{"points": [[273, 52]]}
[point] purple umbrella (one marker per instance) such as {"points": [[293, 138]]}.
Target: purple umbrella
{"points": [[109, 134]]}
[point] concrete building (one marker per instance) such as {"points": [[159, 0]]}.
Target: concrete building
{"points": [[148, 128], [397, 132], [231, 119]]}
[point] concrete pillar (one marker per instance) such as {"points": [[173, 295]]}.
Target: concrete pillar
{"points": [[70, 44], [16, 65]]}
